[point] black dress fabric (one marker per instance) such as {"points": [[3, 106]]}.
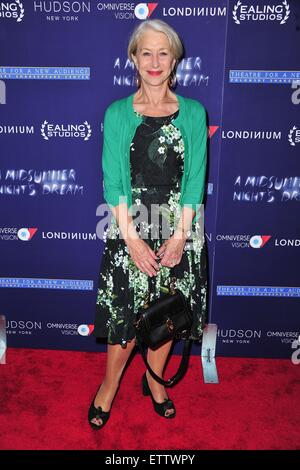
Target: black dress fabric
{"points": [[156, 168]]}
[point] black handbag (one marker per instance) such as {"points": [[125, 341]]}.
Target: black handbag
{"points": [[163, 319]]}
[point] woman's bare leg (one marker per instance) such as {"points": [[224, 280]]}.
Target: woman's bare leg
{"points": [[117, 358], [157, 360]]}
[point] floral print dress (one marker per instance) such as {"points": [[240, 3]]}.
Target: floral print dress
{"points": [[156, 165]]}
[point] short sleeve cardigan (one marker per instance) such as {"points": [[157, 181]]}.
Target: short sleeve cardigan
{"points": [[120, 123]]}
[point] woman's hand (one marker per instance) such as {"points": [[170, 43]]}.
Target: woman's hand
{"points": [[143, 256], [171, 251]]}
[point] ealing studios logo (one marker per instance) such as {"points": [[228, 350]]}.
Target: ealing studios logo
{"points": [[294, 136], [82, 131], [279, 12], [12, 10]]}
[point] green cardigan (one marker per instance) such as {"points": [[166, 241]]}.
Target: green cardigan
{"points": [[120, 123]]}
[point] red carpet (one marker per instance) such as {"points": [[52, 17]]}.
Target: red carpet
{"points": [[45, 397]]}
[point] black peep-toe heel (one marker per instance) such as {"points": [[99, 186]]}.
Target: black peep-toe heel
{"points": [[160, 408], [97, 413]]}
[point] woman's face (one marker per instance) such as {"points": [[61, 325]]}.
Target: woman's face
{"points": [[154, 59]]}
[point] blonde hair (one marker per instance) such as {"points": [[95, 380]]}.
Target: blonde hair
{"points": [[160, 26]]}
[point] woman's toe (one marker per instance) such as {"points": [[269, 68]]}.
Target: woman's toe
{"points": [[170, 412], [96, 421]]}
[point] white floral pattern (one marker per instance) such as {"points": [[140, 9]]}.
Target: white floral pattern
{"points": [[156, 165]]}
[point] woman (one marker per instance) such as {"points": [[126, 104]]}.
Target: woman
{"points": [[154, 157]]}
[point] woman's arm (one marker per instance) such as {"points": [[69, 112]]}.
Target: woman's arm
{"points": [[172, 248], [184, 223], [112, 181], [125, 222], [142, 255], [195, 185]]}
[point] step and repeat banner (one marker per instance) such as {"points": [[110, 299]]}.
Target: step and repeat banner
{"points": [[61, 64]]}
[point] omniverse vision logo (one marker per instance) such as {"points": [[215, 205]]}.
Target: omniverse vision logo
{"points": [[144, 10], [85, 330], [12, 10], [276, 12], [258, 241], [127, 10], [15, 234], [26, 234], [82, 131], [244, 241]]}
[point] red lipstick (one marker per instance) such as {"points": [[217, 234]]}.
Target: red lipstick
{"points": [[154, 73]]}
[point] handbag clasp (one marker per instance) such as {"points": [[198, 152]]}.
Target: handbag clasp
{"points": [[170, 325], [172, 286], [146, 300], [137, 323]]}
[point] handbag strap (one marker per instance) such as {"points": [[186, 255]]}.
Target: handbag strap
{"points": [[181, 369]]}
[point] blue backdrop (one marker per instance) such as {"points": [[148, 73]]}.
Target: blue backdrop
{"points": [[61, 65]]}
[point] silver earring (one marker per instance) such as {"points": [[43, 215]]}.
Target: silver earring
{"points": [[137, 79], [172, 79]]}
